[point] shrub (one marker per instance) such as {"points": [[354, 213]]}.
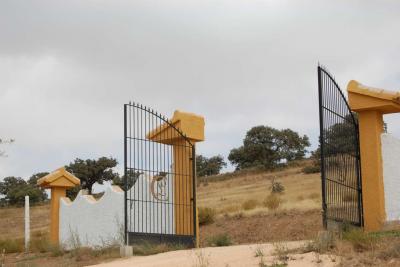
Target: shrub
{"points": [[276, 187], [40, 243], [249, 204], [206, 215], [272, 202], [220, 240], [361, 241], [12, 245], [311, 169]]}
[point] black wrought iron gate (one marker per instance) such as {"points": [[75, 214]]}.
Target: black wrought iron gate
{"points": [[340, 155], [159, 179]]}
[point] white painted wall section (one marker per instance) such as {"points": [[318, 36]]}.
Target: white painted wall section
{"points": [[391, 175], [98, 223], [90, 222]]}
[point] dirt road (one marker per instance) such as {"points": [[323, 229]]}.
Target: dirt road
{"points": [[232, 256]]}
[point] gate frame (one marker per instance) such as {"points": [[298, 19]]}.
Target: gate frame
{"points": [[325, 218], [188, 240]]}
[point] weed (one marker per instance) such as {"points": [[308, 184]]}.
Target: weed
{"points": [[281, 252], [360, 240], [202, 260], [311, 169], [3, 258], [259, 252], [147, 248], [276, 187], [206, 215], [230, 209], [314, 196], [39, 242], [12, 245], [220, 240], [325, 241], [249, 204], [272, 202]]}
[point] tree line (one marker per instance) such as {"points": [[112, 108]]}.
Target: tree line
{"points": [[263, 147]]}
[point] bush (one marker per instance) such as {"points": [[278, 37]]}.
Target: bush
{"points": [[272, 202], [220, 240], [12, 245], [249, 204], [360, 240], [206, 215], [276, 187], [311, 169]]}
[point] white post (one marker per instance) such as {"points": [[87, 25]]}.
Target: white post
{"points": [[27, 224]]}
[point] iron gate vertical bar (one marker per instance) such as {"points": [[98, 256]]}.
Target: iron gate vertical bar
{"points": [[359, 181], [194, 184], [321, 137], [125, 180]]}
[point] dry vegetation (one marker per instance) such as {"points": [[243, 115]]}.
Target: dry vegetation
{"points": [[247, 192], [233, 209]]}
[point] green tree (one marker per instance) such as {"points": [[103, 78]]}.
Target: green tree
{"points": [[267, 147], [15, 189], [132, 178], [209, 166], [91, 171], [32, 181]]}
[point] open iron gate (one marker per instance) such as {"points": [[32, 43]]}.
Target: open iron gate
{"points": [[340, 155], [159, 179]]}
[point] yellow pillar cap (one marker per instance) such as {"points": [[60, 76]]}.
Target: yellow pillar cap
{"points": [[59, 178], [365, 98], [191, 125]]}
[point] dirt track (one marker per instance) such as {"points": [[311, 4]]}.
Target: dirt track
{"points": [[233, 256]]}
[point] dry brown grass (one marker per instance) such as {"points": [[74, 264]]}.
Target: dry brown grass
{"points": [[249, 204], [12, 221], [272, 202], [302, 191]]}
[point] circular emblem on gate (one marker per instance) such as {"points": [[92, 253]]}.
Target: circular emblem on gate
{"points": [[158, 186]]}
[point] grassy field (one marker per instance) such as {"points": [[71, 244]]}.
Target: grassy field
{"points": [[302, 191], [237, 200], [227, 194]]}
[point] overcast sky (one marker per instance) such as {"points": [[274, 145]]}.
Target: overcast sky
{"points": [[67, 68]]}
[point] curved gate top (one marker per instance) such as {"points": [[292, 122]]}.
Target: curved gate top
{"points": [[159, 177], [340, 155]]}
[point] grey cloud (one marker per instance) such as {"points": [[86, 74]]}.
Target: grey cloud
{"points": [[68, 66]]}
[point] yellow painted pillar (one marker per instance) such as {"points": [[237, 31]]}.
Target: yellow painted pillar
{"points": [[371, 104], [371, 128], [56, 194], [58, 182], [183, 188]]}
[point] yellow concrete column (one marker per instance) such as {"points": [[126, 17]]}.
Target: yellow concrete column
{"points": [[56, 194], [58, 182], [371, 127], [371, 104], [183, 187]]}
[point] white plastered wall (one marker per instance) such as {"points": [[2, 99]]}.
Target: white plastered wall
{"points": [[98, 223], [87, 222], [391, 176]]}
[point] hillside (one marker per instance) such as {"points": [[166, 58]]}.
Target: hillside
{"points": [[227, 194]]}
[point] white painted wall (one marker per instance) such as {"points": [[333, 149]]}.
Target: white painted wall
{"points": [[391, 175], [87, 222], [159, 215]]}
